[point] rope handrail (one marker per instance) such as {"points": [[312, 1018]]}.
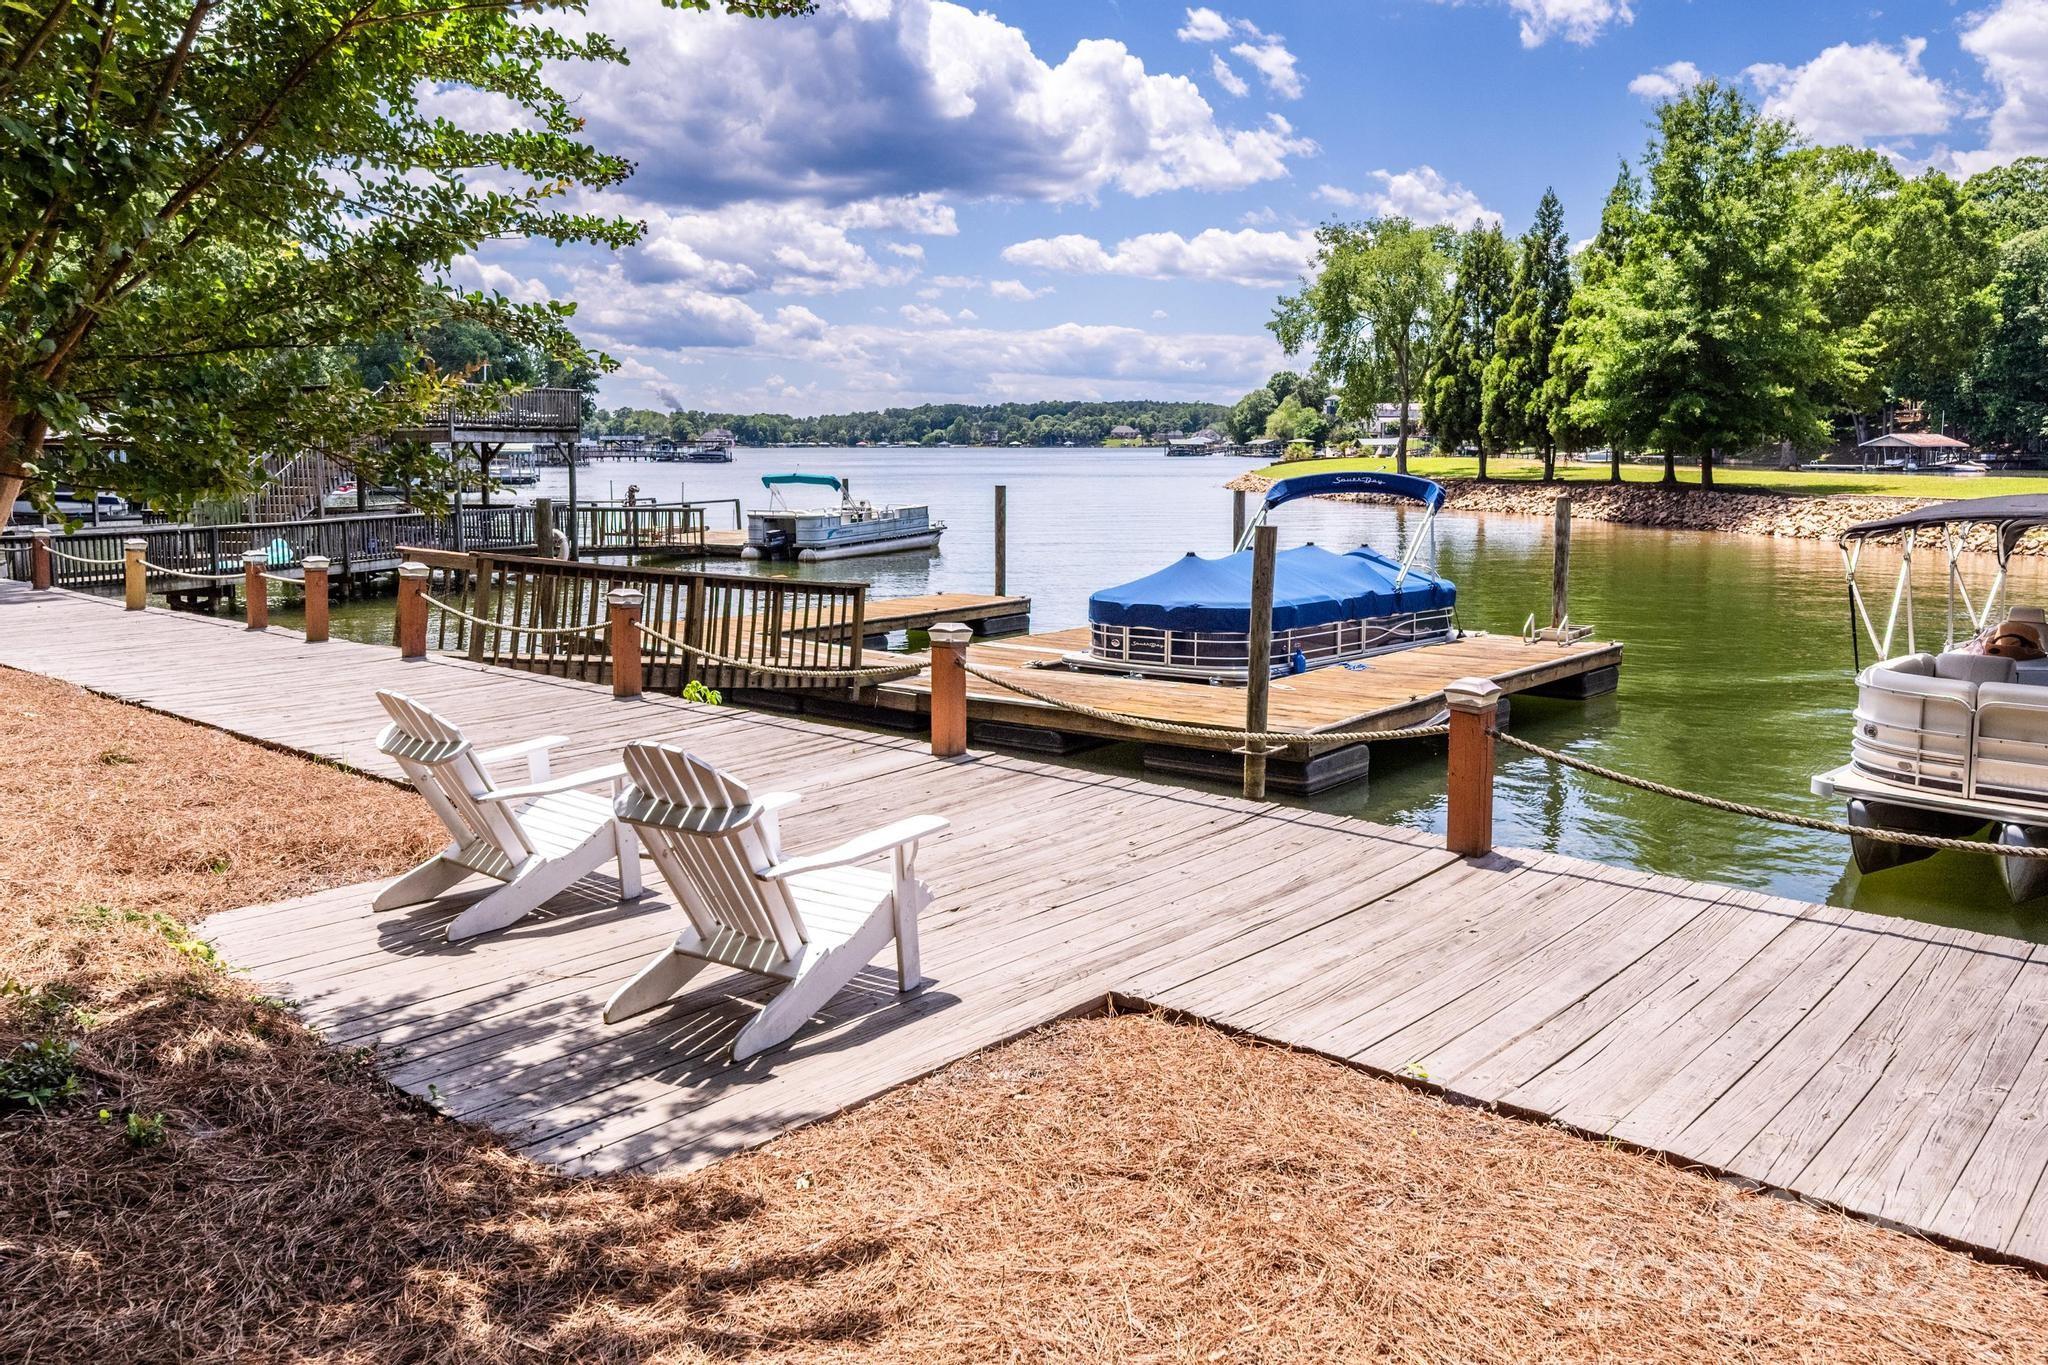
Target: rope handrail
{"points": [[880, 672], [586, 628], [86, 560], [195, 577], [1781, 817], [1282, 738]]}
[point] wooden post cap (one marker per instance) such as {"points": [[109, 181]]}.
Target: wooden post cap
{"points": [[625, 597], [950, 633], [134, 543], [39, 533], [316, 563], [1472, 694], [256, 557], [412, 568]]}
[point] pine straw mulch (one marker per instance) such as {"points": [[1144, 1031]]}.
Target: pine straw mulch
{"points": [[1127, 1188]]}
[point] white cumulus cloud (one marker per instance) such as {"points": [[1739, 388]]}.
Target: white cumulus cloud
{"points": [[1246, 256], [1667, 81], [793, 247], [1271, 59], [920, 315], [1422, 194], [1204, 25], [1016, 291], [1576, 21], [1227, 77], [1857, 92], [2011, 41], [883, 99]]}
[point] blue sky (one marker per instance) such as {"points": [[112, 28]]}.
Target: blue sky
{"points": [[899, 201]]}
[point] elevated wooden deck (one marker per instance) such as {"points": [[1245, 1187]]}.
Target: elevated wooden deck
{"points": [[1894, 1069]]}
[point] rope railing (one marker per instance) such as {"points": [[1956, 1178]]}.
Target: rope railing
{"points": [[587, 628], [1780, 817], [880, 673], [1282, 738], [195, 577], [84, 560]]}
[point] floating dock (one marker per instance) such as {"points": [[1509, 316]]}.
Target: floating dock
{"points": [[1385, 692]]}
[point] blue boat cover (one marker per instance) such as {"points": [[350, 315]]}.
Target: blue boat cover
{"points": [[1311, 587], [1409, 486], [822, 480]]}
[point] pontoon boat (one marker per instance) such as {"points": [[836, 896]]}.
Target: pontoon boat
{"points": [[852, 528], [1953, 741], [1192, 619]]}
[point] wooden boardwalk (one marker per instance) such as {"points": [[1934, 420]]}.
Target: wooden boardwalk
{"points": [[1897, 1070]]}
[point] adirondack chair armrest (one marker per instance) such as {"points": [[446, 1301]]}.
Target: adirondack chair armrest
{"points": [[861, 847], [589, 777], [534, 751]]}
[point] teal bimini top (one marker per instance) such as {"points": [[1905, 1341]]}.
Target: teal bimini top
{"points": [[822, 480]]}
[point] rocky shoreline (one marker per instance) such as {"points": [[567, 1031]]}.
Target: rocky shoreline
{"points": [[1646, 504]]}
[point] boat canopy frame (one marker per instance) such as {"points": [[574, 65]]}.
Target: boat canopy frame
{"points": [[1410, 487], [2011, 518]]}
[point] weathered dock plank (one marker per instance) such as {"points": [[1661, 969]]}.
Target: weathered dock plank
{"points": [[1894, 1069]]}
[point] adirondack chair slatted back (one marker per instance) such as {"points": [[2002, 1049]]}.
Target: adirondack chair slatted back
{"points": [[713, 873], [444, 767]]}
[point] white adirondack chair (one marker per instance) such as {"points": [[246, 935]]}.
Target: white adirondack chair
{"points": [[538, 837], [812, 922]]}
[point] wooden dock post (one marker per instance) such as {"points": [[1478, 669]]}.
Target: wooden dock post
{"points": [[315, 568], [628, 671], [255, 592], [949, 688], [1475, 709], [412, 610], [1561, 561], [1236, 517], [134, 577], [39, 564], [1002, 539], [1259, 660], [544, 528]]}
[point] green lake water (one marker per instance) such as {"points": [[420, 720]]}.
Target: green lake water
{"points": [[1737, 679]]}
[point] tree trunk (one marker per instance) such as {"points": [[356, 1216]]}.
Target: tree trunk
{"points": [[1482, 462], [21, 442], [1549, 461], [1670, 468], [1707, 469], [1614, 464], [1401, 437]]}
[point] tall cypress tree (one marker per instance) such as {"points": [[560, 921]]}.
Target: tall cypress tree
{"points": [[1517, 409], [1453, 394]]}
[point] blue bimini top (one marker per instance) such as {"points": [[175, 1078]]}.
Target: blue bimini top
{"points": [[1311, 587]]}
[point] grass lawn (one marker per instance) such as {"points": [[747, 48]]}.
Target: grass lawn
{"points": [[1112, 1189], [1793, 482]]}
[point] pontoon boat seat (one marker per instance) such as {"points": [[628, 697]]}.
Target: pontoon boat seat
{"points": [[1920, 664], [1973, 668], [2035, 616], [2009, 758], [1911, 728]]}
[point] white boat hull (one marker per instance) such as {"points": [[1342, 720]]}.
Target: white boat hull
{"points": [[925, 540]]}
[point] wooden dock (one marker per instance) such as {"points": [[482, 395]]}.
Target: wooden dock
{"points": [[1387, 692], [1883, 1066]]}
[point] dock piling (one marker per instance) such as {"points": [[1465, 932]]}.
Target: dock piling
{"points": [[628, 670], [315, 568], [1002, 539], [411, 631], [1561, 562], [134, 577], [949, 688], [39, 564], [1259, 660], [255, 592], [1474, 705], [1236, 517]]}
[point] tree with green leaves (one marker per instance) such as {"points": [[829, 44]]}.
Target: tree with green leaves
{"points": [[1370, 310], [1707, 337], [2014, 196], [1571, 362], [203, 203], [1516, 407], [1453, 393], [2004, 397]]}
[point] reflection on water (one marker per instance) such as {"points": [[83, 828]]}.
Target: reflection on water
{"points": [[1737, 678]]}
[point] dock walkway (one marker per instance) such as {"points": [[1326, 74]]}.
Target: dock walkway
{"points": [[1891, 1068]]}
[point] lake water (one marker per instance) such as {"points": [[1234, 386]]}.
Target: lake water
{"points": [[1737, 679]]}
